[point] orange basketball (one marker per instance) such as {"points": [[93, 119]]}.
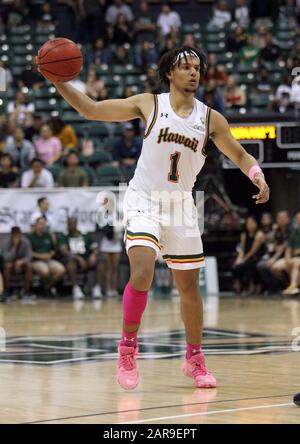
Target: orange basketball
{"points": [[59, 60]]}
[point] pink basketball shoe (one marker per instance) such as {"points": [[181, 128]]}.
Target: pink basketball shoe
{"points": [[128, 375], [195, 368]]}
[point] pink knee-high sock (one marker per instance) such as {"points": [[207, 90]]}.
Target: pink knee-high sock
{"points": [[134, 304], [192, 349]]}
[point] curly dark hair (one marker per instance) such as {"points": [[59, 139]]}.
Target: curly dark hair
{"points": [[167, 61]]}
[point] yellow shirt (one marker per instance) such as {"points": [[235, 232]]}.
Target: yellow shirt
{"points": [[68, 137]]}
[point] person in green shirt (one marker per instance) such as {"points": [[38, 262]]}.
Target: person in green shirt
{"points": [[43, 251], [76, 252], [72, 175], [292, 257], [249, 53]]}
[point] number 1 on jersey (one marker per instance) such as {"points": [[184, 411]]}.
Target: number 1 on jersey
{"points": [[173, 175]]}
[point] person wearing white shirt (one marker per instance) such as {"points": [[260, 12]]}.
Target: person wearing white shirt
{"points": [[37, 176], [115, 10], [221, 14], [168, 20], [241, 13], [44, 211], [295, 92]]}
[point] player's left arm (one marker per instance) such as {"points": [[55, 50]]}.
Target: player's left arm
{"points": [[228, 145]]}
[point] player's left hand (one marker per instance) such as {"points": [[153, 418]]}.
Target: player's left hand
{"points": [[264, 190]]}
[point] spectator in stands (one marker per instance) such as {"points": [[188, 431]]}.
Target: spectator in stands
{"points": [[249, 53], [122, 31], [216, 71], [169, 21], [145, 55], [251, 249], [263, 80], [283, 95], [47, 17], [295, 91], [18, 14], [127, 149], [292, 257], [170, 43], [43, 251], [189, 40], [110, 246], [104, 94], [17, 259], [37, 176], [72, 175], [221, 15], [93, 85], [31, 79], [145, 26], [276, 243], [33, 131], [212, 96], [266, 223], [74, 249], [64, 132], [120, 56], [8, 176], [115, 10], [20, 150], [44, 210], [137, 124], [259, 38], [234, 95], [8, 74], [236, 40], [19, 111], [270, 52], [152, 84], [92, 16], [241, 13], [98, 55], [48, 147]]}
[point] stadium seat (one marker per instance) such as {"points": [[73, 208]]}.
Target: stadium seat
{"points": [[23, 49], [215, 37], [244, 68], [108, 174], [216, 47], [91, 174], [46, 105], [55, 169], [260, 100], [20, 39], [98, 158], [72, 116], [19, 30]]}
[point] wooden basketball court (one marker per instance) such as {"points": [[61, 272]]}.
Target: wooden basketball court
{"points": [[59, 363]]}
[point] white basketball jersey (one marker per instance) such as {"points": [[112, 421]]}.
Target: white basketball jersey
{"points": [[171, 155]]}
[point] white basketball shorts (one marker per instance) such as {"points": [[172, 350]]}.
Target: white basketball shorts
{"points": [[170, 228]]}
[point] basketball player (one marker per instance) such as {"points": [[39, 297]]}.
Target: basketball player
{"points": [[173, 153]]}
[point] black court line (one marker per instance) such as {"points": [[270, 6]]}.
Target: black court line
{"points": [[156, 408]]}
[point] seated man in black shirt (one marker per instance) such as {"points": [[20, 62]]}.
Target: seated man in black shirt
{"points": [[8, 177]]}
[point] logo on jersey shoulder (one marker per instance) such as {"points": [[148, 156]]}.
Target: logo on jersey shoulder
{"points": [[166, 136], [164, 115]]}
